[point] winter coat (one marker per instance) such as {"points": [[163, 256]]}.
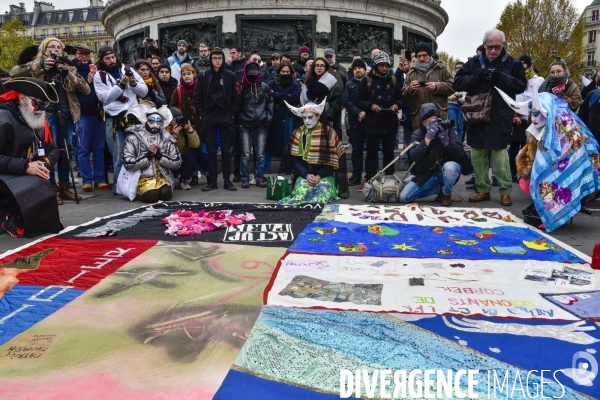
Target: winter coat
{"points": [[176, 64], [169, 87], [186, 106], [590, 115], [136, 154], [186, 140], [571, 94], [438, 73], [155, 96], [429, 160], [16, 137], [299, 65], [341, 74], [81, 87], [276, 136], [202, 65], [496, 133], [109, 92], [382, 93], [237, 67], [334, 98], [257, 102], [229, 85], [90, 105], [350, 101]]}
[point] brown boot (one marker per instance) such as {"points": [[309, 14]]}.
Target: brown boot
{"points": [[446, 199], [440, 194], [58, 199], [505, 200], [480, 197], [65, 193]]}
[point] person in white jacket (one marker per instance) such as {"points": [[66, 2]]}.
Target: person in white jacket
{"points": [[117, 88]]}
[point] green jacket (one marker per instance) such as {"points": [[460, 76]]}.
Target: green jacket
{"points": [[186, 141]]}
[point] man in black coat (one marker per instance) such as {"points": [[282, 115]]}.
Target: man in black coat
{"points": [[439, 156], [381, 100], [217, 101], [493, 68], [27, 200], [356, 119]]}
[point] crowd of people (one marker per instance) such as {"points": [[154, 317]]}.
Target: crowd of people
{"points": [[158, 120]]}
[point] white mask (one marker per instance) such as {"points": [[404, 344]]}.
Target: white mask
{"points": [[310, 119]]}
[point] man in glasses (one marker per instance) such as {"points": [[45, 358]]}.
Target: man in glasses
{"points": [[479, 76], [27, 200], [217, 101], [203, 62]]}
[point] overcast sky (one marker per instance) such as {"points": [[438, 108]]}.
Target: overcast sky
{"points": [[469, 19]]}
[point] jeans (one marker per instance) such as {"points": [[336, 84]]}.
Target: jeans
{"points": [[448, 176], [480, 160], [455, 113], [91, 138], [357, 139], [388, 142], [187, 166], [63, 163], [201, 158], [115, 145], [253, 137], [210, 124]]}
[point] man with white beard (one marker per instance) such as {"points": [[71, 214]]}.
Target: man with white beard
{"points": [[27, 199]]}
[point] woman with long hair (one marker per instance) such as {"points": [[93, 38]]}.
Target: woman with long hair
{"points": [[284, 88], [320, 85], [155, 93], [560, 84]]}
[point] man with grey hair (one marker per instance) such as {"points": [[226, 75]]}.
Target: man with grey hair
{"points": [[479, 76]]}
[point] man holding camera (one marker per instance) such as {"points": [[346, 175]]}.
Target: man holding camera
{"points": [[117, 88], [52, 66], [427, 81], [439, 158]]}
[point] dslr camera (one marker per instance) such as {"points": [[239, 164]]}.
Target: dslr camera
{"points": [[128, 71], [181, 121], [447, 124]]}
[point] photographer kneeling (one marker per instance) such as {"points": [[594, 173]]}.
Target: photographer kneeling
{"points": [[53, 67], [439, 156], [187, 138]]}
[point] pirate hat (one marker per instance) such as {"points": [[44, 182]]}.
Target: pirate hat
{"points": [[32, 87]]}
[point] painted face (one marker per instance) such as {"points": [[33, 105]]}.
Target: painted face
{"points": [[153, 124], [310, 119], [538, 119]]}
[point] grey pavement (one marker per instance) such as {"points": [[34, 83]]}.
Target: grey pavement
{"points": [[582, 234]]}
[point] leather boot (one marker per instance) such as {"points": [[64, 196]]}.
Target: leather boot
{"points": [[64, 192], [58, 199], [480, 197]]}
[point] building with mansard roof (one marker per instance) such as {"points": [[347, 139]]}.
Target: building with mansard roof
{"points": [[591, 18]]}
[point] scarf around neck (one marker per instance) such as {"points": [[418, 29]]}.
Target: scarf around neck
{"points": [[425, 68], [283, 81], [554, 82], [322, 145], [149, 81], [188, 88]]}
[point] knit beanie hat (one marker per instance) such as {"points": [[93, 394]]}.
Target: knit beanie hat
{"points": [[423, 47], [359, 62], [183, 42], [382, 57], [526, 60], [303, 49]]}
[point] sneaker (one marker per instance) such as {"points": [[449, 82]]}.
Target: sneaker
{"points": [[409, 178], [252, 181], [102, 186], [87, 187], [13, 226], [354, 181], [227, 185], [245, 184], [261, 183], [184, 185]]}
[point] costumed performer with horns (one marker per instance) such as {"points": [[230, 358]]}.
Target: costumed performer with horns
{"points": [[315, 152]]}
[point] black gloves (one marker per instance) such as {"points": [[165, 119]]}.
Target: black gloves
{"points": [[495, 75], [484, 75]]}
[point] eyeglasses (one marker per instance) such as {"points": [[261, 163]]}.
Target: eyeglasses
{"points": [[217, 58], [154, 119], [39, 104], [496, 48], [319, 66], [203, 51]]}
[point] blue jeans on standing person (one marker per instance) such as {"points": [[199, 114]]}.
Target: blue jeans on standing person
{"points": [[63, 171], [253, 137], [187, 166], [455, 113], [201, 160], [448, 176], [91, 138], [115, 142], [357, 140]]}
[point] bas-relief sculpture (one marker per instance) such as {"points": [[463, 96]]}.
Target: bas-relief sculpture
{"points": [[283, 34], [194, 32]]}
